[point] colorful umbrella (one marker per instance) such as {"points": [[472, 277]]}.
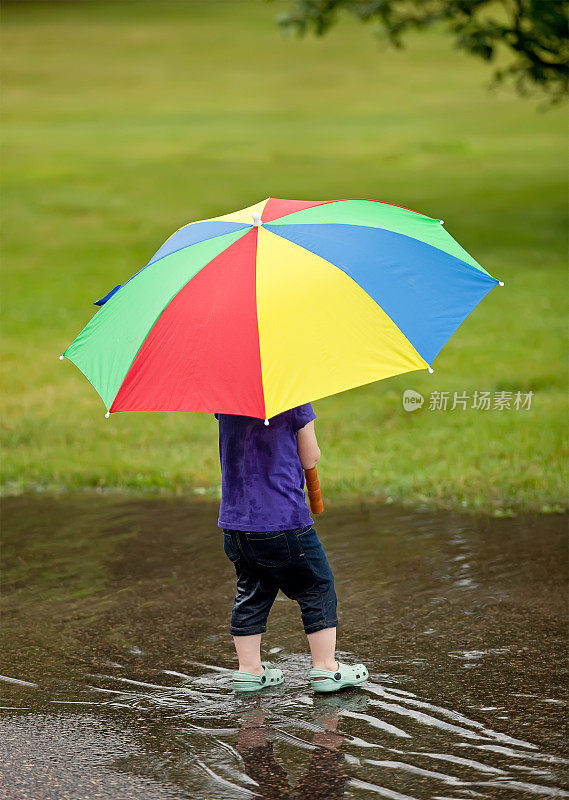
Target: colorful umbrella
{"points": [[279, 304]]}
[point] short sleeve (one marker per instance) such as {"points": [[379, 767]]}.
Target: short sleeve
{"points": [[301, 415]]}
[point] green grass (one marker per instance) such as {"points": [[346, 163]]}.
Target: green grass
{"points": [[124, 121]]}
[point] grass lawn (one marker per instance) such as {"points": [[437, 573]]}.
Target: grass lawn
{"points": [[122, 122]]}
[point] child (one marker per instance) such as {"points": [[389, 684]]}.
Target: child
{"points": [[268, 535]]}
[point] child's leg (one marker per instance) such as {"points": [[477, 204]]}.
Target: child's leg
{"points": [[323, 647], [255, 596], [309, 580], [249, 653]]}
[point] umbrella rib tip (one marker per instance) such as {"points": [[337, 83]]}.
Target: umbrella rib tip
{"points": [[61, 357], [108, 414], [500, 283], [430, 369]]}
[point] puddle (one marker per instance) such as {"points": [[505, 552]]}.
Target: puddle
{"points": [[116, 662]]}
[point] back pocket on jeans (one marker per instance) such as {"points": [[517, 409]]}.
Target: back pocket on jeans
{"points": [[229, 547], [270, 551]]}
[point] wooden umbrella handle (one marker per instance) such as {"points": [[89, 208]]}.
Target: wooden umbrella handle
{"points": [[313, 487]]}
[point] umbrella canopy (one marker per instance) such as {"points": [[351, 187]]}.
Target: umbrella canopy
{"points": [[277, 305]]}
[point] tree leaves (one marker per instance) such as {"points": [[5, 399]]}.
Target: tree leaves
{"points": [[534, 32]]}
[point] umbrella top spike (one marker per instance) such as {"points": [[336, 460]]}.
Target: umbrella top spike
{"points": [[256, 219]]}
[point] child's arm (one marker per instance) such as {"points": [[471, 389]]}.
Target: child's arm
{"points": [[309, 454], [307, 446]]}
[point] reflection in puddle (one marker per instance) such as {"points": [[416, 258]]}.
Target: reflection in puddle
{"points": [[116, 680]]}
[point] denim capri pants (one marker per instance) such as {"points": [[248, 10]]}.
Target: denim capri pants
{"points": [[291, 560]]}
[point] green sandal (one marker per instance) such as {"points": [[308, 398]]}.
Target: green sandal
{"points": [[343, 677], [248, 682]]}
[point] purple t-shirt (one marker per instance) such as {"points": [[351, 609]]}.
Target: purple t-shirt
{"points": [[262, 480]]}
